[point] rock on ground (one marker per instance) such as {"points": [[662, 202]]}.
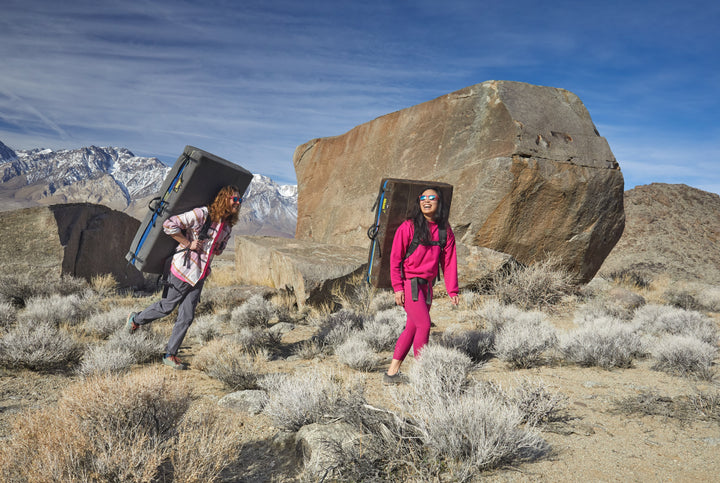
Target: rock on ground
{"points": [[78, 239]]}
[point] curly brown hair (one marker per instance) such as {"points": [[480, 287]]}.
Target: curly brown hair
{"points": [[221, 208]]}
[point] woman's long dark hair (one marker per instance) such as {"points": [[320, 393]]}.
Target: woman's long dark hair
{"points": [[441, 215]]}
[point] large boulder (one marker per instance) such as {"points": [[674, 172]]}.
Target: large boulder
{"points": [[79, 239], [532, 175]]}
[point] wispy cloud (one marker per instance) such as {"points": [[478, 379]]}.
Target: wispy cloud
{"points": [[252, 80]]}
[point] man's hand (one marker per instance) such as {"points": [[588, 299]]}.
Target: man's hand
{"points": [[400, 298]]}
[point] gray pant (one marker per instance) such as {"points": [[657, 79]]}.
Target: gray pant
{"points": [[178, 292]]}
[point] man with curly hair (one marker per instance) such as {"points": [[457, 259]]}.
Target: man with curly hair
{"points": [[201, 234]]}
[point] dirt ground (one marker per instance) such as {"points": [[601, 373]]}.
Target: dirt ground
{"points": [[594, 441]]}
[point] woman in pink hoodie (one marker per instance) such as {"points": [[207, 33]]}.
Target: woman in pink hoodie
{"points": [[412, 277]]}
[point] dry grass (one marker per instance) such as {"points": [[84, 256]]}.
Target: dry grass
{"points": [[446, 424], [208, 440], [703, 406], [107, 428]]}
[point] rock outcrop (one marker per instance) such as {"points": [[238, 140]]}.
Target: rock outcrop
{"points": [[671, 229], [309, 270], [79, 239], [532, 175]]}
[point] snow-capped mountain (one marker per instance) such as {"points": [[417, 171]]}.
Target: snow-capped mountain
{"points": [[117, 178], [134, 176], [268, 209], [6, 154]]}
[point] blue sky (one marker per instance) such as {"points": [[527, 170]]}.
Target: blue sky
{"points": [[251, 80]]}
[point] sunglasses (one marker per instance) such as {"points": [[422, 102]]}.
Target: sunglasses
{"points": [[236, 199], [428, 197]]}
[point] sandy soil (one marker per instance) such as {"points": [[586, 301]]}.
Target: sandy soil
{"points": [[594, 442]]}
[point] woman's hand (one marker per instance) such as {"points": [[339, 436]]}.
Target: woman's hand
{"points": [[455, 299], [196, 245], [400, 298]]}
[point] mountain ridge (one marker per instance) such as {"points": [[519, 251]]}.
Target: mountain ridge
{"points": [[115, 177]]}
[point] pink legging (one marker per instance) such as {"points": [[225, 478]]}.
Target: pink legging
{"points": [[417, 327]]}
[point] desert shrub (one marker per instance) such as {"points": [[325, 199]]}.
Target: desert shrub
{"points": [[104, 285], [216, 298], [99, 359], [111, 428], [683, 299], [8, 313], [522, 342], [357, 295], [709, 298], [229, 363], [632, 277], [382, 300], [473, 431], [536, 403], [256, 338], [56, 309], [207, 441], [121, 351], [337, 327], [356, 353], [542, 284], [383, 330], [470, 299], [707, 405], [604, 306], [205, 328], [603, 342], [477, 344], [308, 349], [702, 406], [493, 315], [39, 347], [594, 288], [684, 355], [17, 289], [440, 370], [144, 345], [658, 320], [104, 324], [255, 312], [307, 397]]}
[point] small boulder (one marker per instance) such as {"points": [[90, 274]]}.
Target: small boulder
{"points": [[78, 239], [309, 270], [324, 447], [251, 401]]}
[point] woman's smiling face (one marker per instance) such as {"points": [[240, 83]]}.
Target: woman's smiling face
{"points": [[429, 203]]}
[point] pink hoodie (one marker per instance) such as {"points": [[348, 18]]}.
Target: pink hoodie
{"points": [[424, 260]]}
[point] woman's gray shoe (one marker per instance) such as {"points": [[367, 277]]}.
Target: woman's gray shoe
{"points": [[394, 379], [174, 362], [130, 325]]}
